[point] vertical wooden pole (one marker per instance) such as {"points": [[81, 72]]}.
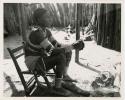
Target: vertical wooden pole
{"points": [[22, 20], [82, 15], [19, 17], [100, 26], [77, 30]]}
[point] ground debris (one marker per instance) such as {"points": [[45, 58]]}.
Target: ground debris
{"points": [[105, 79], [103, 85]]}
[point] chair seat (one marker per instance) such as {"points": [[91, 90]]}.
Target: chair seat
{"points": [[38, 73]]}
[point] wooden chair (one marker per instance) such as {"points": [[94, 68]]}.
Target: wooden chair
{"points": [[34, 79]]}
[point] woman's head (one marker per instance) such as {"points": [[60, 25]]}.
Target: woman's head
{"points": [[42, 18]]}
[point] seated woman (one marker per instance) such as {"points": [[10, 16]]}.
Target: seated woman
{"points": [[41, 46]]}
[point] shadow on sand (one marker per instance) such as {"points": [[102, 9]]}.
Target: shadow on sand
{"points": [[43, 91], [15, 92]]}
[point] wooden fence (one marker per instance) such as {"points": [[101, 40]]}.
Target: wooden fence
{"points": [[107, 21]]}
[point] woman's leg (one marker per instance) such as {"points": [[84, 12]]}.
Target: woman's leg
{"points": [[66, 77], [57, 60], [68, 59], [60, 62]]}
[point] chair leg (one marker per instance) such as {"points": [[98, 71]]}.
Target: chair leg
{"points": [[36, 78], [47, 82], [37, 81], [27, 93]]}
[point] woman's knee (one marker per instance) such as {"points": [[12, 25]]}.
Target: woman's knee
{"points": [[68, 56], [61, 58]]}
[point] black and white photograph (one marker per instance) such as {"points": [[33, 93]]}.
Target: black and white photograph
{"points": [[62, 50]]}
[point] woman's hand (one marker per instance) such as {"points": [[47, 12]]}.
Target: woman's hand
{"points": [[79, 44]]}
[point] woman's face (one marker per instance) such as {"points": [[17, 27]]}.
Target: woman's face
{"points": [[45, 20]]}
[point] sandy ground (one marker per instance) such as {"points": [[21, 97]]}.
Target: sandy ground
{"points": [[94, 57]]}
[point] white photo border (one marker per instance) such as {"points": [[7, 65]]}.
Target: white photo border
{"points": [[122, 2]]}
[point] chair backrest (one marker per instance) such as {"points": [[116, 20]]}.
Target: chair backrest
{"points": [[15, 54]]}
